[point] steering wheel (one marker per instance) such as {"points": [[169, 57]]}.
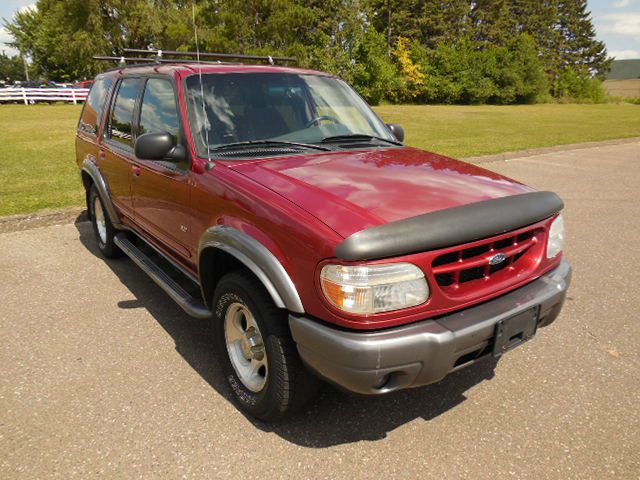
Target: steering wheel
{"points": [[319, 118]]}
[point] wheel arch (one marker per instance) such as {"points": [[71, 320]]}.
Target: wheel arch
{"points": [[87, 181], [91, 176], [223, 249]]}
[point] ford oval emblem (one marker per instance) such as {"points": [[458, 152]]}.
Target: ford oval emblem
{"points": [[497, 258]]}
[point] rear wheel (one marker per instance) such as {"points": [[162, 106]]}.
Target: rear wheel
{"points": [[256, 351], [102, 227]]}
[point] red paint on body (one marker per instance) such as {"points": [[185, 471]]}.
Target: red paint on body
{"points": [[300, 207]]}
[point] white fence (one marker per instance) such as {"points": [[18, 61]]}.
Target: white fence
{"points": [[33, 95]]}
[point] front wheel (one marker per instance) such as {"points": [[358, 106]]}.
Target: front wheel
{"points": [[256, 351]]}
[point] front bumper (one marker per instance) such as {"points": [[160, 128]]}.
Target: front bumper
{"points": [[423, 352]]}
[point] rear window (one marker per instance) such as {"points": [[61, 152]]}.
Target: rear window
{"points": [[121, 121], [92, 111]]}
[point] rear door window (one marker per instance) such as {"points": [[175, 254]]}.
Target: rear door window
{"points": [[121, 121], [92, 111]]}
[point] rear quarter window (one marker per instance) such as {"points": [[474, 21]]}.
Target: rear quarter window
{"points": [[93, 106]]}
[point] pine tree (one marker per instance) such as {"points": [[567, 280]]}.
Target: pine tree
{"points": [[443, 21], [429, 22], [539, 19], [395, 18], [579, 48], [492, 22]]}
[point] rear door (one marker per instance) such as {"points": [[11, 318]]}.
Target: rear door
{"points": [[90, 120], [160, 189], [118, 161]]}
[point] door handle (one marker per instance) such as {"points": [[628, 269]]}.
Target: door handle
{"points": [[135, 170]]}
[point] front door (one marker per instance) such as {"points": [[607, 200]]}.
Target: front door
{"points": [[160, 189]]}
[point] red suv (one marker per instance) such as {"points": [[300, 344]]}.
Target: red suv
{"points": [[275, 204]]}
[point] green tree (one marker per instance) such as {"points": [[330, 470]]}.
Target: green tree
{"points": [[538, 19], [429, 22], [62, 37], [405, 50], [372, 73], [11, 68], [565, 39], [492, 22], [579, 47], [517, 72]]}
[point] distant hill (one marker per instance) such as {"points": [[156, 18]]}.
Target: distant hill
{"points": [[624, 70]]}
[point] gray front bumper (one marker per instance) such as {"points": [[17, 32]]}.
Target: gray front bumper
{"points": [[423, 352]]}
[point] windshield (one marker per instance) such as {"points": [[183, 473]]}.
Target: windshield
{"points": [[244, 107]]}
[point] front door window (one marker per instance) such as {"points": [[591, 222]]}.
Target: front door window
{"points": [[159, 113]]}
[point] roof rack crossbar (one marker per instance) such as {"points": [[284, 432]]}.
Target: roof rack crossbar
{"points": [[236, 56], [123, 60]]}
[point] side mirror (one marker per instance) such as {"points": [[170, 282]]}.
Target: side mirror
{"points": [[397, 131], [159, 146]]}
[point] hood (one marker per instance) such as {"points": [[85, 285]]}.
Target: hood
{"points": [[352, 191]]}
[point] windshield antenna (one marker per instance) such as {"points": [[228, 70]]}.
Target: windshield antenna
{"points": [[204, 111]]}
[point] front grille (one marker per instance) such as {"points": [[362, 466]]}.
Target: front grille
{"points": [[466, 266]]}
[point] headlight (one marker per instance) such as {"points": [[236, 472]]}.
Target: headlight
{"points": [[556, 237], [369, 289]]}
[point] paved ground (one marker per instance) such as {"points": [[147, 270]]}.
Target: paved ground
{"points": [[101, 375]]}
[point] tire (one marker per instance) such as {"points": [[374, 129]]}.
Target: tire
{"points": [[279, 383], [102, 227]]}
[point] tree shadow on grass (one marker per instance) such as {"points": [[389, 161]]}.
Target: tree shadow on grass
{"points": [[335, 417]]}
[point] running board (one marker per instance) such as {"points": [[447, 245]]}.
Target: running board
{"points": [[193, 306]]}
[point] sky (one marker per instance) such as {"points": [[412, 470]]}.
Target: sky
{"points": [[617, 23]]}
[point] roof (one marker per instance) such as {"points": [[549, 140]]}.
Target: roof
{"points": [[624, 70], [192, 68]]}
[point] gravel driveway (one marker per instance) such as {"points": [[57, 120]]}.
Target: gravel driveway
{"points": [[103, 376]]}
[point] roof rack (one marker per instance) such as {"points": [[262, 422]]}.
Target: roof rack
{"points": [[122, 61], [159, 56]]}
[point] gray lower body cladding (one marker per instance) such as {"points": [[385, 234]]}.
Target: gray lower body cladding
{"points": [[424, 352]]}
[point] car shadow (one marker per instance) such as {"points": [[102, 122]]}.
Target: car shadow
{"points": [[334, 417]]}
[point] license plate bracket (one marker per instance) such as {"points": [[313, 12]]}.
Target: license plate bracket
{"points": [[514, 331]]}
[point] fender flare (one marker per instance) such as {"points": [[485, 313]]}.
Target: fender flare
{"points": [[91, 169], [257, 258]]}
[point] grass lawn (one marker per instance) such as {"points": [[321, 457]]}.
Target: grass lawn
{"points": [[37, 168], [466, 131]]}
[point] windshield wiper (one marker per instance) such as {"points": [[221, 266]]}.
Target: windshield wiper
{"points": [[267, 143], [355, 137]]}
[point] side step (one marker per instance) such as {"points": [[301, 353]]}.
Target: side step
{"points": [[193, 306]]}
